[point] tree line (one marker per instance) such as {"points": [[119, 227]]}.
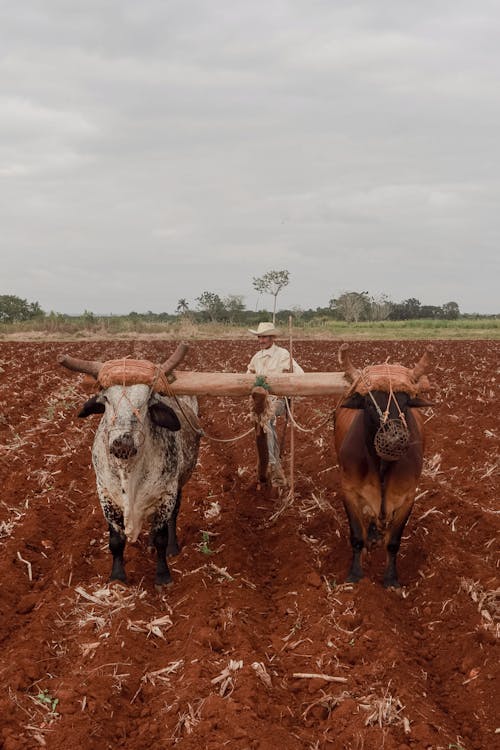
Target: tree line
{"points": [[352, 307], [209, 306]]}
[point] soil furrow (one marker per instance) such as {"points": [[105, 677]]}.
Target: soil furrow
{"points": [[258, 596]]}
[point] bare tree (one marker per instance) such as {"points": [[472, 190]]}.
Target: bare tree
{"points": [[211, 304], [272, 283], [234, 306], [380, 307], [351, 306]]}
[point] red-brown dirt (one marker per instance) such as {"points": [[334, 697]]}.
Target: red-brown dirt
{"points": [[258, 594]]}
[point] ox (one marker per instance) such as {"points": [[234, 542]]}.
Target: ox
{"points": [[379, 440], [144, 451]]}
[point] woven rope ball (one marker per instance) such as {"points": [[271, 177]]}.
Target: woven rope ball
{"points": [[391, 440]]}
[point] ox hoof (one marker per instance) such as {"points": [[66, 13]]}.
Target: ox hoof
{"points": [[391, 583], [118, 578], [163, 578], [118, 583], [161, 588], [173, 550], [354, 577]]}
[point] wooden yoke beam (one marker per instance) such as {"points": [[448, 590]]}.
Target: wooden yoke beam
{"points": [[238, 384]]}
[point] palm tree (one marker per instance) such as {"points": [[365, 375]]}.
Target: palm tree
{"points": [[182, 307]]}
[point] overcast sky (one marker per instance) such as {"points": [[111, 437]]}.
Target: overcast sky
{"points": [[153, 150]]}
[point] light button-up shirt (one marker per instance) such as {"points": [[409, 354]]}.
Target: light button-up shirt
{"points": [[272, 360]]}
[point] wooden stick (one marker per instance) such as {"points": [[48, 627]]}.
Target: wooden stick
{"points": [[292, 430], [312, 676], [28, 565]]}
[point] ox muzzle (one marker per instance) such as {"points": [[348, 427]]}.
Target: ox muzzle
{"points": [[124, 446], [392, 439]]}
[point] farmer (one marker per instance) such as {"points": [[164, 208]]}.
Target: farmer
{"points": [[268, 360]]}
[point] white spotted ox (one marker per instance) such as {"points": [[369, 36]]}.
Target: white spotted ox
{"points": [[145, 450]]}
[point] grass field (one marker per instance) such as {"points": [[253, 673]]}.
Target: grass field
{"points": [[111, 327]]}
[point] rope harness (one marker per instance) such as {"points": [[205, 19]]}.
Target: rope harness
{"points": [[137, 411], [200, 431], [393, 436], [329, 418]]}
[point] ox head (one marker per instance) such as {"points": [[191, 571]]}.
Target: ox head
{"points": [[129, 408], [385, 393], [129, 411]]}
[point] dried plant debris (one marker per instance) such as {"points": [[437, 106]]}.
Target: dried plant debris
{"points": [[100, 606], [225, 679], [188, 720], [262, 673], [327, 702], [432, 466], [153, 627], [488, 603], [111, 597], [384, 710], [162, 675]]}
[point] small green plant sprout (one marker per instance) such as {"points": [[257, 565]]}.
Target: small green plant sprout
{"points": [[204, 545], [261, 382], [455, 746], [45, 699]]}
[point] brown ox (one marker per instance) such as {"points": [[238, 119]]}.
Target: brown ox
{"points": [[379, 439]]}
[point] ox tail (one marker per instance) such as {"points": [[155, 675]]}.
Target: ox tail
{"points": [[373, 535]]}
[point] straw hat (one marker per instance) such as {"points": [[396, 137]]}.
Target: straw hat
{"points": [[265, 329]]}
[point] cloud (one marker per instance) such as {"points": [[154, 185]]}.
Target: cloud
{"points": [[156, 147]]}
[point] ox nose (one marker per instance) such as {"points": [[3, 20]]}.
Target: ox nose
{"points": [[123, 447]]}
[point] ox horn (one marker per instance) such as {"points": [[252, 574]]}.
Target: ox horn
{"points": [[80, 365], [351, 372], [175, 358], [424, 363]]}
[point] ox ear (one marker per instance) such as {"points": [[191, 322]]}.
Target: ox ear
{"points": [[163, 416], [417, 402], [92, 406], [356, 401]]}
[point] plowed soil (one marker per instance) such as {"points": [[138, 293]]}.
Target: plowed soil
{"points": [[258, 597]]}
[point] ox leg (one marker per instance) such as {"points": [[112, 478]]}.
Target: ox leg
{"points": [[357, 543], [391, 580], [172, 543], [117, 546], [162, 522], [160, 541]]}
